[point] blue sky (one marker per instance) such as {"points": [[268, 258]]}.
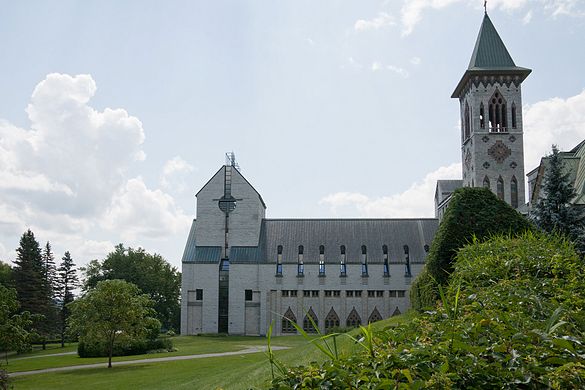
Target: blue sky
{"points": [[114, 114]]}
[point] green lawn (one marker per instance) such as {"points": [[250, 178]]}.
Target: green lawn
{"points": [[230, 372]]}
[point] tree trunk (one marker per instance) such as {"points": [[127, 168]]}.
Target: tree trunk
{"points": [[110, 351]]}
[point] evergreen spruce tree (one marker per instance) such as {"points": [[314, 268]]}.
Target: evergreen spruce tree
{"points": [[50, 269], [66, 282], [30, 283], [554, 212]]}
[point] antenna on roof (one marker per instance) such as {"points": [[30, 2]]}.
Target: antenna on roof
{"points": [[230, 160], [485, 6]]}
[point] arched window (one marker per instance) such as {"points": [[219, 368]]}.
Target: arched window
{"points": [[353, 319], [500, 188], [342, 266], [279, 260], [321, 260], [497, 113], [307, 325], [300, 263], [486, 182], [514, 115], [375, 316], [385, 255], [407, 271], [467, 122], [364, 261], [481, 116], [332, 320], [287, 320], [514, 192]]}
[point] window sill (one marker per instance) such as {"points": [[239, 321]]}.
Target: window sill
{"points": [[300, 275], [343, 275], [321, 275], [365, 276], [278, 275]]}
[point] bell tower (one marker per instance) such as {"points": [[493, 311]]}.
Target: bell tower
{"points": [[490, 100]]}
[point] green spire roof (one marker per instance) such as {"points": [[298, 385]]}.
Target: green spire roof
{"points": [[490, 51], [490, 58]]}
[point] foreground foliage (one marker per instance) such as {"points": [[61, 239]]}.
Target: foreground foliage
{"points": [[511, 317], [472, 212]]}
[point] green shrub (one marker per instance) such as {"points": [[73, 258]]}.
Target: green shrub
{"points": [[124, 348], [472, 213], [511, 317], [423, 291]]}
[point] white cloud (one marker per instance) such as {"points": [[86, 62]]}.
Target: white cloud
{"points": [[527, 18], [416, 201], [172, 177], [553, 121], [376, 66], [412, 11], [138, 211], [68, 173], [415, 61], [382, 20], [400, 71]]}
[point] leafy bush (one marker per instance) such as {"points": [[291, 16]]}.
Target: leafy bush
{"points": [[472, 212], [4, 380], [511, 317], [124, 348]]}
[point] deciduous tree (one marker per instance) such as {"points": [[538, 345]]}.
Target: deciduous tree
{"points": [[111, 310]]}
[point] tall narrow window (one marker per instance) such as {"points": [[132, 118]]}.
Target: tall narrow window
{"points": [[497, 113], [467, 122], [321, 260], [300, 264], [486, 182], [279, 260], [407, 271], [481, 116], [385, 256], [364, 261], [513, 115], [500, 188], [514, 192], [342, 266]]}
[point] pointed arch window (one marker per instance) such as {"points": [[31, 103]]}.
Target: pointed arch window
{"points": [[321, 260], [486, 182], [353, 319], [396, 312], [514, 123], [514, 192], [332, 320], [300, 263], [287, 320], [279, 260], [364, 261], [342, 266], [385, 256], [500, 188], [375, 316], [308, 326], [467, 122], [481, 116], [407, 271], [497, 113]]}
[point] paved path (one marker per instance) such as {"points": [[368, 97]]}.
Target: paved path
{"points": [[253, 349]]}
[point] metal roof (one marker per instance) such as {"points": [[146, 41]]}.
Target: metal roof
{"points": [[332, 234], [490, 57]]}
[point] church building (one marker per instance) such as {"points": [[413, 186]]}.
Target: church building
{"points": [[243, 271]]}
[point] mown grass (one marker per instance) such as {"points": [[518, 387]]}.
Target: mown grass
{"points": [[229, 372]]}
